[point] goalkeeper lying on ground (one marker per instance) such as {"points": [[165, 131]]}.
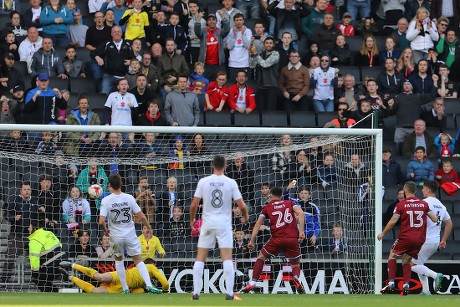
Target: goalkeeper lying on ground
{"points": [[110, 282]]}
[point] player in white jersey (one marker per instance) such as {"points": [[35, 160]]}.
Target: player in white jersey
{"points": [[217, 192], [433, 241], [118, 208]]}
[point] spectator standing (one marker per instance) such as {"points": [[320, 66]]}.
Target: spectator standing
{"points": [[115, 56], [227, 12], [75, 208], [294, 83], [323, 81], [119, 9], [181, 106], [56, 19], [175, 31], [315, 19], [446, 8], [32, 15], [361, 7], [46, 60], [136, 21], [249, 8], [195, 42], [77, 30], [390, 81], [95, 36], [448, 47], [153, 116], [422, 34], [238, 42], [266, 65], [421, 78], [121, 107], [73, 67], [326, 34], [14, 76], [391, 170]]}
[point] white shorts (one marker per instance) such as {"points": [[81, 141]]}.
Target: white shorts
{"points": [[122, 246], [208, 238], [427, 250]]}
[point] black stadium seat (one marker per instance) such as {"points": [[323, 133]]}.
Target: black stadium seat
{"points": [[351, 70], [247, 120], [303, 119], [274, 119], [83, 85], [215, 119]]}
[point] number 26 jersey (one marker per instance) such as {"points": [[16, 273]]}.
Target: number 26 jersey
{"points": [[119, 210], [283, 223], [412, 212]]}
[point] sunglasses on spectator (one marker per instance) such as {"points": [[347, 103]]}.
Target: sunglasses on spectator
{"points": [[443, 24], [326, 61]]}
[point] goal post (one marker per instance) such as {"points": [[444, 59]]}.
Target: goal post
{"points": [[270, 157]]}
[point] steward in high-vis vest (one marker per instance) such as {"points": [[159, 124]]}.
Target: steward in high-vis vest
{"points": [[45, 253]]}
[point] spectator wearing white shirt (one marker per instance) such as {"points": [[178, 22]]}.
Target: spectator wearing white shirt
{"points": [[121, 106], [227, 12], [238, 42], [30, 45]]}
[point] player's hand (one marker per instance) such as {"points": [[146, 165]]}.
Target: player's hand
{"points": [[301, 236], [162, 254], [192, 224], [18, 217], [442, 244], [251, 245], [380, 236], [313, 240]]}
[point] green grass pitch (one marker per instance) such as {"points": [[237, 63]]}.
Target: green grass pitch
{"points": [[279, 300]]}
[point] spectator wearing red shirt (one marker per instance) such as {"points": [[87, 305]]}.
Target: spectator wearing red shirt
{"points": [[241, 97], [446, 173], [217, 93]]}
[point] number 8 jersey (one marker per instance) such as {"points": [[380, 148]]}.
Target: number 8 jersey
{"points": [[119, 210], [413, 215], [283, 223], [217, 192]]}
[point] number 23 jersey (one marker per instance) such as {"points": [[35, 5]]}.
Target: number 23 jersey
{"points": [[119, 210], [412, 212], [283, 223], [217, 193]]}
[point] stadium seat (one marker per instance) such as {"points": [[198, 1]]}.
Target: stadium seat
{"points": [[373, 72], [352, 70], [59, 83], [452, 105], [325, 117], [391, 192], [84, 55], [88, 20], [451, 124], [274, 119], [303, 120], [201, 121], [83, 85], [22, 67], [216, 119], [4, 19], [73, 101], [96, 100], [380, 40], [214, 7], [354, 42], [247, 120], [456, 232]]}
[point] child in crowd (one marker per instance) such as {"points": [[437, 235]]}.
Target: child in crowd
{"points": [[445, 144], [15, 142], [217, 93], [327, 172], [104, 250], [446, 173], [10, 46], [346, 27], [177, 227], [420, 168], [46, 146], [134, 71], [198, 83], [150, 245], [62, 114], [75, 208], [73, 67], [312, 219], [336, 243], [179, 153], [149, 148], [145, 198]]}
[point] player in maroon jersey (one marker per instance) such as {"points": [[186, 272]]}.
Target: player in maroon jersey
{"points": [[285, 236], [412, 211]]}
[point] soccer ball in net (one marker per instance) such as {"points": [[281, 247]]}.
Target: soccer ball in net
{"points": [[95, 191]]}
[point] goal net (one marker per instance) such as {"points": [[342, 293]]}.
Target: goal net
{"points": [[332, 173]]}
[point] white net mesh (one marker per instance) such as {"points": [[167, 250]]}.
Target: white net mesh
{"points": [[337, 169]]}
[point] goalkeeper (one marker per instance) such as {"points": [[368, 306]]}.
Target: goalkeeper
{"points": [[110, 283]]}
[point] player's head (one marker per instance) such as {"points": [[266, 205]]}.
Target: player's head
{"points": [[219, 163], [430, 188], [115, 181], [409, 188], [276, 192]]}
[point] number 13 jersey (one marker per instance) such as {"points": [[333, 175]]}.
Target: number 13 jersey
{"points": [[217, 193], [283, 223], [413, 215], [119, 210]]}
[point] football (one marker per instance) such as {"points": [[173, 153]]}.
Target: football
{"points": [[95, 191]]}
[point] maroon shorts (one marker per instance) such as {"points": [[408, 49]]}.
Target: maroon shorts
{"points": [[404, 247], [274, 246]]}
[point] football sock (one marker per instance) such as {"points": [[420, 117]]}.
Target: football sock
{"points": [[391, 269], [406, 272], [85, 286], [424, 281], [144, 273], [258, 266], [120, 267], [87, 271], [423, 270], [198, 268], [229, 272], [296, 271]]}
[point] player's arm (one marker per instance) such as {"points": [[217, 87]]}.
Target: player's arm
{"points": [[446, 234], [140, 216], [244, 208], [391, 223], [193, 209], [301, 217], [433, 217], [101, 222], [255, 230]]}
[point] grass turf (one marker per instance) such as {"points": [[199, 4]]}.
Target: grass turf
{"points": [[280, 300]]}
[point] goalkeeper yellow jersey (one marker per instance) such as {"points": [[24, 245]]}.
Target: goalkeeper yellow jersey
{"points": [[135, 25], [135, 281]]}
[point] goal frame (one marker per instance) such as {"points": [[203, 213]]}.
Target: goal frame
{"points": [[377, 133]]}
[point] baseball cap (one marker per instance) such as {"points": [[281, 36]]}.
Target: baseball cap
{"points": [[43, 76], [346, 14], [76, 11], [10, 56], [212, 16], [18, 88], [407, 81]]}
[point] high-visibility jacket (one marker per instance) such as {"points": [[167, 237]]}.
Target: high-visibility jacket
{"points": [[44, 248]]}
